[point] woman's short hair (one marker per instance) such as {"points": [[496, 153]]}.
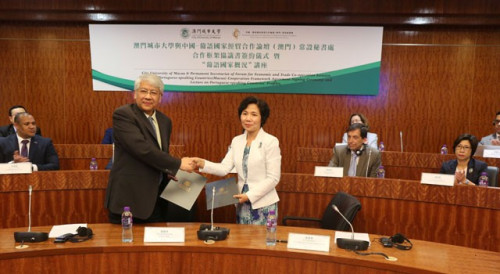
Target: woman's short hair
{"points": [[151, 79], [469, 137], [363, 119], [261, 104]]}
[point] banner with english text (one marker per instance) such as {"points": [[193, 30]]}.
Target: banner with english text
{"points": [[238, 58]]}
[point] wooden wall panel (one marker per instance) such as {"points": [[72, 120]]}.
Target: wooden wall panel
{"points": [[436, 82]]}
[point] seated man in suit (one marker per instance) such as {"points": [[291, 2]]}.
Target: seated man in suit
{"points": [[10, 129], [26, 146], [493, 139], [108, 140], [357, 158]]}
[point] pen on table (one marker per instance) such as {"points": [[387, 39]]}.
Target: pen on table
{"points": [[281, 241]]}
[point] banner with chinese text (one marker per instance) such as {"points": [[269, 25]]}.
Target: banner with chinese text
{"points": [[239, 58]]}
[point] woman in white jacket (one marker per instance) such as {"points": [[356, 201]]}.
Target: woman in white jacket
{"points": [[257, 158]]}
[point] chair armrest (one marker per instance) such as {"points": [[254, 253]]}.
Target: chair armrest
{"points": [[297, 218]]}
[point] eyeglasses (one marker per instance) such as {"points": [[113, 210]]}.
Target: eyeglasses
{"points": [[496, 122], [152, 92], [460, 147]]}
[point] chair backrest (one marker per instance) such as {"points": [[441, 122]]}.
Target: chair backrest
{"points": [[347, 204], [492, 176]]}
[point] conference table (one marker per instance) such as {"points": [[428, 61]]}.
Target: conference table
{"points": [[244, 251], [459, 215], [398, 165]]}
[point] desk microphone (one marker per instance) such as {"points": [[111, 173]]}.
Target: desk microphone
{"points": [[30, 236], [209, 232], [350, 244]]}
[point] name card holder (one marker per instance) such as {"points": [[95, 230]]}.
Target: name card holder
{"points": [[164, 234], [491, 153], [326, 171], [309, 242], [437, 179], [16, 168]]}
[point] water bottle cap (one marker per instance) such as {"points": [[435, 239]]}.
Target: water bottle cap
{"points": [[444, 145], [272, 212], [381, 142], [93, 159], [127, 208], [381, 167], [484, 173]]}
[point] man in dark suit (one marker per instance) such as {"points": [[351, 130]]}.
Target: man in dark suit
{"points": [[10, 129], [26, 146], [142, 161], [356, 158]]}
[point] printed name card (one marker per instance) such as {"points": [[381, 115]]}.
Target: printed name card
{"points": [[16, 168], [309, 242], [164, 234], [325, 171], [491, 153], [437, 179]]}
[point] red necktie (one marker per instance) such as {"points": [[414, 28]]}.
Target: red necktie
{"points": [[24, 149]]}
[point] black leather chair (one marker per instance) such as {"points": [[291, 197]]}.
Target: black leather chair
{"points": [[346, 203], [492, 176]]}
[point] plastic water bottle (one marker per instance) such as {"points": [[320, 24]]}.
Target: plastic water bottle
{"points": [[271, 228], [93, 164], [444, 150], [483, 179], [381, 147], [127, 222], [381, 172]]}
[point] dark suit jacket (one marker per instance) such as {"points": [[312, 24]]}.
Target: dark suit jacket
{"points": [[108, 136], [342, 158], [9, 130], [41, 152], [139, 162], [474, 169]]}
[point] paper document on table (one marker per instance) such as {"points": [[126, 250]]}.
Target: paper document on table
{"points": [[185, 191], [59, 230], [224, 191]]}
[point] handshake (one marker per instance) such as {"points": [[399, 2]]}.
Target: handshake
{"points": [[189, 164]]}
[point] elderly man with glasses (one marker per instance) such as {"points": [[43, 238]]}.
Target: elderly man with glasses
{"points": [[142, 164]]}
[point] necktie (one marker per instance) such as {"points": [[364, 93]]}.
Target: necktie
{"points": [[153, 125], [24, 148], [155, 130], [352, 166]]}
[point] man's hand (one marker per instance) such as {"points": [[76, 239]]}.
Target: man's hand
{"points": [[200, 163], [495, 142], [188, 164], [18, 158]]}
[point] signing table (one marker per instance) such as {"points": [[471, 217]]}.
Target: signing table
{"points": [[244, 251]]}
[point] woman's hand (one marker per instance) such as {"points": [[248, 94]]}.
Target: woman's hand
{"points": [[241, 198], [460, 177], [200, 163]]}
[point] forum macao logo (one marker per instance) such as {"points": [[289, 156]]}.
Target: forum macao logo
{"points": [[184, 33]]}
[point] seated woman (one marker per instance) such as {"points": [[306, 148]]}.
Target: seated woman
{"points": [[466, 169], [361, 119]]}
